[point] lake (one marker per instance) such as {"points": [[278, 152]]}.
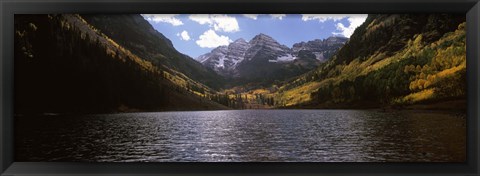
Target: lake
{"points": [[244, 136]]}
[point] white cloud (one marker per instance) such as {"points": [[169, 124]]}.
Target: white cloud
{"points": [[210, 39], [184, 35], [278, 16], [354, 20], [252, 16], [163, 18], [201, 18], [323, 17], [219, 22]]}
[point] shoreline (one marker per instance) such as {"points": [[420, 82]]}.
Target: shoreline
{"points": [[458, 105], [448, 105]]}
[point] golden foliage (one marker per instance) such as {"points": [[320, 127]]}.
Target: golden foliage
{"points": [[417, 96]]}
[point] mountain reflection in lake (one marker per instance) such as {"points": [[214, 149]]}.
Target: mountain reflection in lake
{"points": [[244, 135]]}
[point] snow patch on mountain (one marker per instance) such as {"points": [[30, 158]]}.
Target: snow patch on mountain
{"points": [[220, 62], [286, 58]]}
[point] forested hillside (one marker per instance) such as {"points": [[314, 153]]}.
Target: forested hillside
{"points": [[390, 60], [64, 65], [134, 33]]}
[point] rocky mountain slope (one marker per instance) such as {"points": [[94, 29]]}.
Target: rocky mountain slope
{"points": [[224, 59], [322, 49]]}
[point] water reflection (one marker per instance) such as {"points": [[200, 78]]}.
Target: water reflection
{"points": [[248, 135]]}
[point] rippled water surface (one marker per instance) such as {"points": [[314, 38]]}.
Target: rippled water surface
{"points": [[244, 135]]}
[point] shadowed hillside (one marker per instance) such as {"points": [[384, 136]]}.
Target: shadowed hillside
{"points": [[64, 65], [134, 33]]}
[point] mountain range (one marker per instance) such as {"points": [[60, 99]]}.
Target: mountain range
{"points": [[263, 59]]}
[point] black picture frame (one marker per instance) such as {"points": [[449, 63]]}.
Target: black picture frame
{"points": [[471, 8]]}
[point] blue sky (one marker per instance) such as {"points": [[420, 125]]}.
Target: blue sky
{"points": [[198, 34]]}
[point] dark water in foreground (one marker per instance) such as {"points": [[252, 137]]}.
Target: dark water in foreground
{"points": [[244, 135]]}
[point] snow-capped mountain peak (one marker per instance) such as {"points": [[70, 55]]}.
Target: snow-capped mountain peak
{"points": [[224, 59]]}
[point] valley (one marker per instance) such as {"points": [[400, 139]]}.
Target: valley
{"points": [[391, 61], [120, 63]]}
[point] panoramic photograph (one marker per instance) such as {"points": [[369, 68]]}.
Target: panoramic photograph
{"points": [[240, 88]]}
